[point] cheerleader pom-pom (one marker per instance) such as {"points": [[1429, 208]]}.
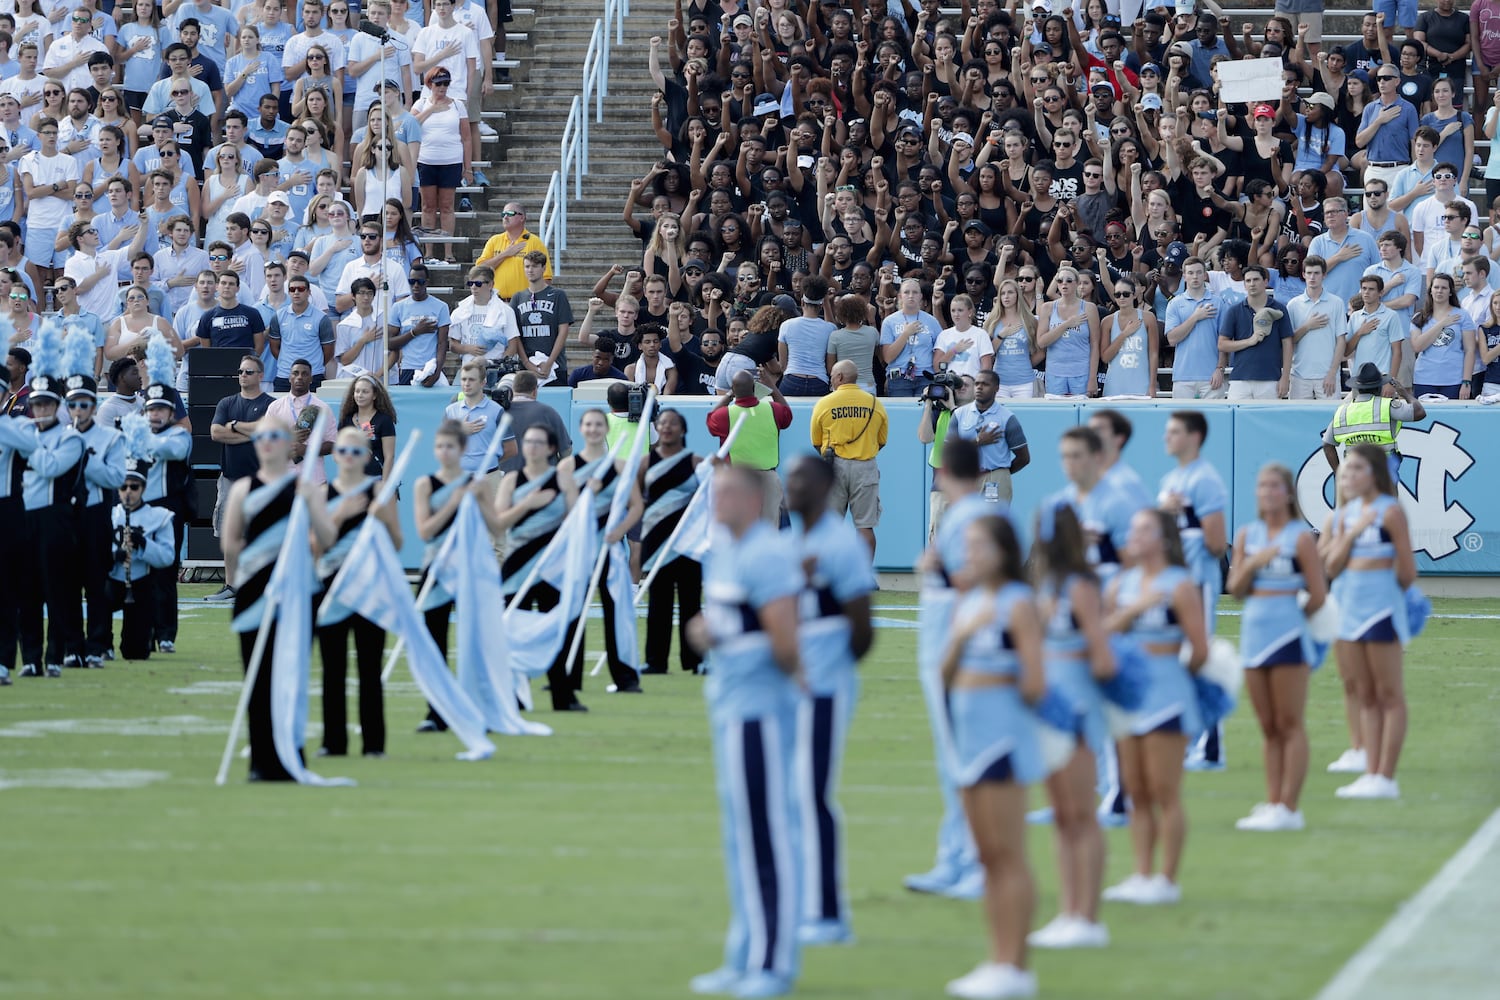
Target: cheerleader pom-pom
{"points": [[1057, 746], [1119, 721], [1418, 609], [1058, 728], [1057, 711], [1223, 666], [1127, 688], [1322, 624], [1214, 702], [1317, 652]]}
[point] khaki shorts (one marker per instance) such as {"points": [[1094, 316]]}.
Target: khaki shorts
{"points": [[1252, 389], [1198, 390], [1311, 388], [770, 492], [856, 489]]}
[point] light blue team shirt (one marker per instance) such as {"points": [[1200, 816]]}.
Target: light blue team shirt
{"points": [[1343, 280], [1375, 346], [1013, 359], [916, 357], [273, 43], [1407, 178], [1413, 282], [1203, 494], [300, 195], [328, 278], [302, 336], [404, 315], [1443, 361], [215, 26], [1312, 356], [806, 343], [85, 321], [1198, 353], [1068, 356], [1313, 144], [841, 573], [247, 98], [989, 651], [740, 577], [1106, 512], [143, 69], [967, 422]]}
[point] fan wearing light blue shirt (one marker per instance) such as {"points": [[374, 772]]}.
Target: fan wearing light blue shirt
{"points": [[1192, 325], [1403, 280], [1320, 328], [1347, 251], [1376, 335], [418, 329], [907, 338]]}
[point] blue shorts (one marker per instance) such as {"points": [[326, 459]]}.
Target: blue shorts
{"points": [[444, 176], [1067, 385], [1381, 630], [1171, 726], [1397, 12], [38, 246]]}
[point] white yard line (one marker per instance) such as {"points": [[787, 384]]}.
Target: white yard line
{"points": [[1441, 941]]}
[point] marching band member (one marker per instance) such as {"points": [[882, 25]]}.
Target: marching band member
{"points": [[142, 545], [103, 472], [668, 481]]}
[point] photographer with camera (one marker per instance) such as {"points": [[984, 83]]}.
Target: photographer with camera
{"points": [[526, 412], [1002, 443], [946, 393], [849, 427]]}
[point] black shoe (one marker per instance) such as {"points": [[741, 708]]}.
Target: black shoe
{"points": [[577, 706], [429, 726], [634, 687], [73, 662], [654, 670]]}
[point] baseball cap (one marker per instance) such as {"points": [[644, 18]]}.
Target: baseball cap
{"points": [[976, 225], [1322, 99], [766, 104], [695, 262], [1177, 252], [161, 121], [279, 197], [1264, 111], [1151, 68], [963, 137], [1104, 85], [1151, 102], [743, 20], [1044, 48], [786, 304]]}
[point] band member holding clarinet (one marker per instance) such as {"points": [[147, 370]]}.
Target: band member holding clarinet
{"points": [[142, 543]]}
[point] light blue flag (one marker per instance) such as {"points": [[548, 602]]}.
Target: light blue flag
{"points": [[696, 527], [472, 573], [372, 584], [537, 637], [293, 581], [619, 581]]}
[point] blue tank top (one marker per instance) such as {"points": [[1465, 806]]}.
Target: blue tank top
{"points": [[1130, 373], [1013, 359], [1157, 624], [991, 650], [1069, 354], [1284, 573], [1375, 541], [1062, 637]]}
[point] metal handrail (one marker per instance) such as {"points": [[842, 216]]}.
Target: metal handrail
{"points": [[573, 147]]}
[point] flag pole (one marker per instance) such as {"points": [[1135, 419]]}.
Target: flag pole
{"points": [[444, 549], [588, 595], [666, 547], [391, 485], [268, 613]]}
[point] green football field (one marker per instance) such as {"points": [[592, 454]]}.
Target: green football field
{"points": [[586, 865]]}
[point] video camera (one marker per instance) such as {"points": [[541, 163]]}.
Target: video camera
{"points": [[497, 369], [637, 404], [940, 385]]}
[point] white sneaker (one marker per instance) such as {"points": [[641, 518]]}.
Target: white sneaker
{"points": [[1371, 786], [1088, 935], [1132, 890], [485, 132], [1349, 762], [992, 981], [1271, 819], [1356, 788], [1257, 818], [1055, 934], [1292, 819], [968, 886], [1163, 891]]}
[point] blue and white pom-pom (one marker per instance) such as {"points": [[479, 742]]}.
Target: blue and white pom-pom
{"points": [[47, 350], [1322, 624], [79, 352], [1058, 725], [1218, 681], [1127, 688], [1418, 609], [135, 428], [161, 363]]}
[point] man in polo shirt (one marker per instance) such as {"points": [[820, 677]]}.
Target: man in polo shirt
{"points": [[1003, 451], [1376, 335], [300, 332], [1192, 323], [1320, 325], [1404, 282], [418, 332], [1260, 352], [758, 444], [68, 56], [852, 424], [268, 132], [1348, 251], [504, 252], [300, 409], [1387, 128], [481, 417]]}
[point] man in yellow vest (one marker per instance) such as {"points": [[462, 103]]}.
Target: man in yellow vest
{"points": [[852, 425], [932, 429], [1372, 414], [758, 444]]}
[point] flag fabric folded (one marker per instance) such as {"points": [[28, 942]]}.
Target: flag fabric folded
{"points": [[470, 572], [293, 583], [372, 584], [622, 587], [536, 637]]}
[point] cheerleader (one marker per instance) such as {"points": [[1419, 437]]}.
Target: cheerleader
{"points": [[594, 429], [668, 481], [437, 498], [992, 670], [1157, 603], [1274, 558], [255, 521], [835, 633], [1366, 549], [531, 503], [349, 503], [1075, 650]]}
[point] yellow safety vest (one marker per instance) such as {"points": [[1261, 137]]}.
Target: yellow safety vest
{"points": [[939, 435], [1366, 421], [758, 445], [623, 427]]}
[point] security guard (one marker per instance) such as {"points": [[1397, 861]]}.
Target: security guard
{"points": [[1370, 415], [851, 425]]}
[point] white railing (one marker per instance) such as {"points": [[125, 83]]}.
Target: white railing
{"points": [[573, 149]]}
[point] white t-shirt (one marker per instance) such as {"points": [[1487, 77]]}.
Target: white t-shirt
{"points": [[432, 39], [350, 329], [50, 211], [492, 326], [441, 143], [21, 90], [968, 362], [1427, 219], [395, 277], [102, 298]]}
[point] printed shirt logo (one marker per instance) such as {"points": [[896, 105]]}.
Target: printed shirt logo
{"points": [[1436, 525]]}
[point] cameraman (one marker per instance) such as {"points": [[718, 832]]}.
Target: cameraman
{"points": [[1002, 443], [526, 412], [938, 402], [625, 416]]}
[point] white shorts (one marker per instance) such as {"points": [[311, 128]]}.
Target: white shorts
{"points": [[1026, 390], [1311, 388], [1197, 390], [1247, 389]]}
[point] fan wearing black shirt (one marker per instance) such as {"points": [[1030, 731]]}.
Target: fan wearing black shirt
{"points": [[696, 357], [1204, 223]]}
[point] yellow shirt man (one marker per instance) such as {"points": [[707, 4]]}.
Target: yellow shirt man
{"points": [[504, 251]]}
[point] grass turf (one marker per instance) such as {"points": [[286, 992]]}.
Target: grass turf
{"points": [[586, 865]]}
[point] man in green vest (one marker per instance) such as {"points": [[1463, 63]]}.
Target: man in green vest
{"points": [[1371, 414], [620, 424], [933, 429], [758, 444]]}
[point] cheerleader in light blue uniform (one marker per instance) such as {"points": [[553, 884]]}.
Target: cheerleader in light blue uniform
{"points": [[957, 872], [749, 627], [1156, 602], [834, 632], [993, 672], [1366, 548], [1075, 649], [1274, 558]]}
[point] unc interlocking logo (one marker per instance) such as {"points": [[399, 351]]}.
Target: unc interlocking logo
{"points": [[1436, 525]]}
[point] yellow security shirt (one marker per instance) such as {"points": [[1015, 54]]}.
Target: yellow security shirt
{"points": [[850, 420]]}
